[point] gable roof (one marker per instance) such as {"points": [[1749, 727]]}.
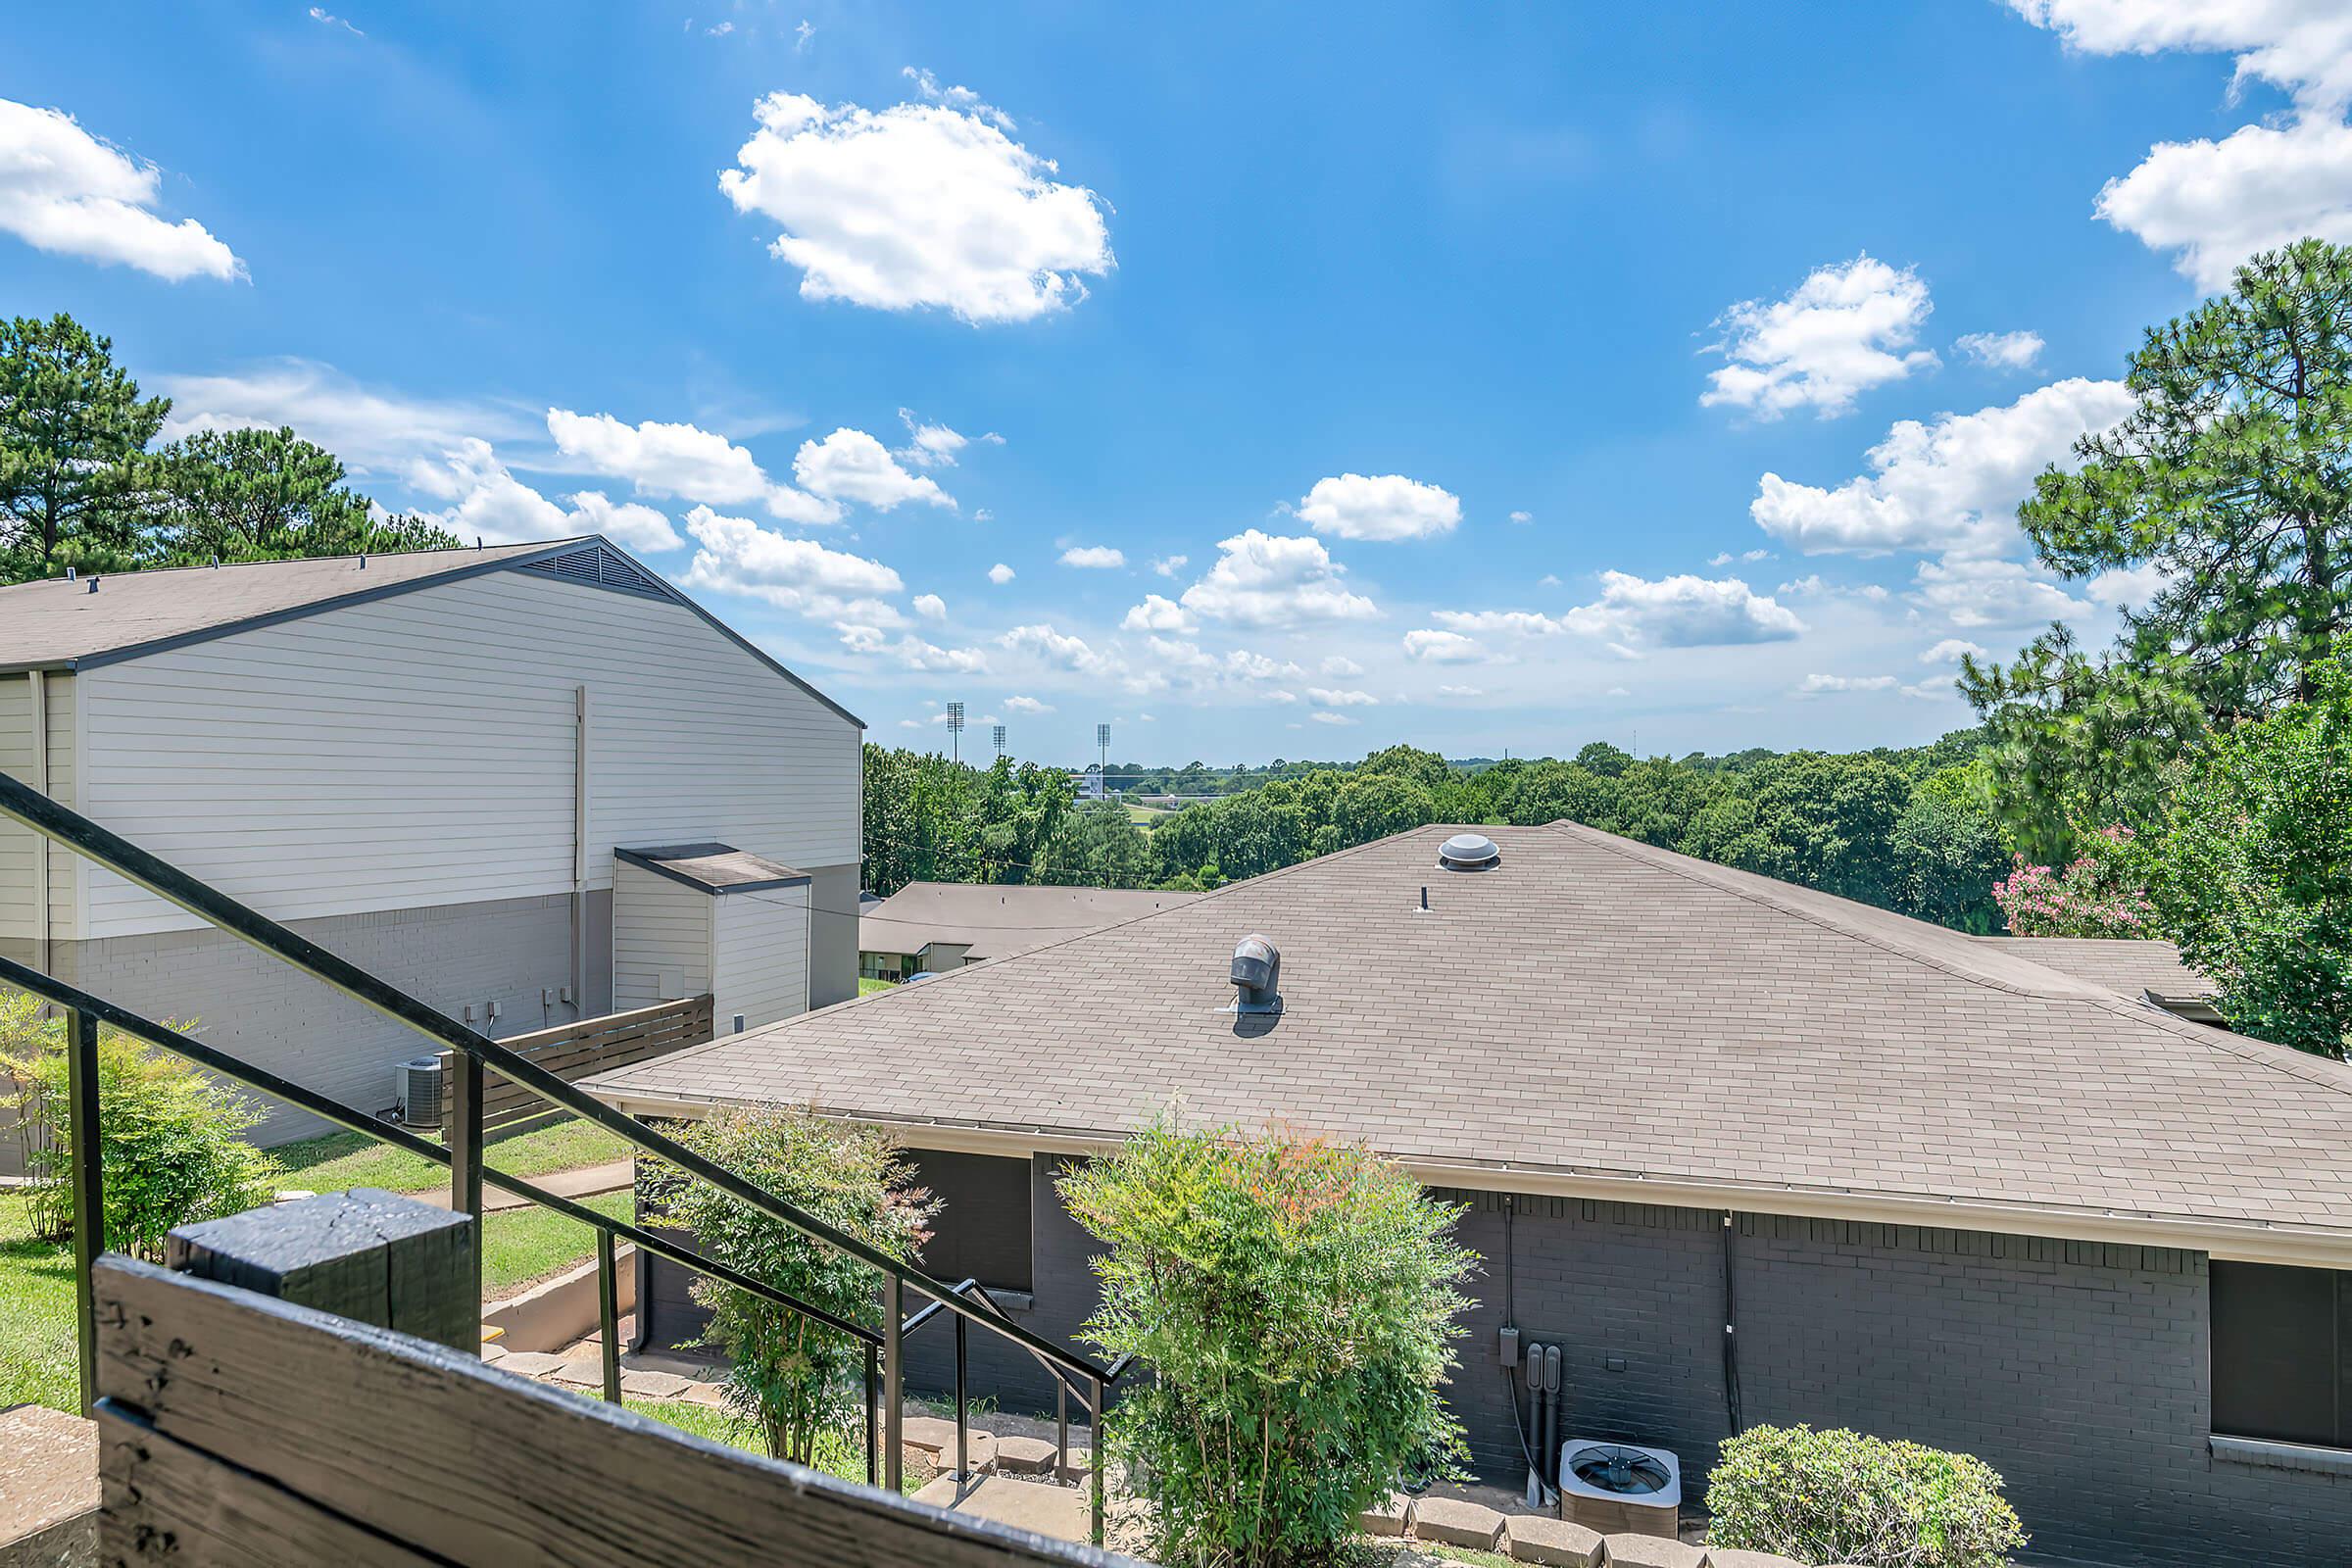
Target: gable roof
{"points": [[997, 921], [58, 625], [1600, 1017]]}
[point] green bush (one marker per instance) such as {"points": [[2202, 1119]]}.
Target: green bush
{"points": [[793, 1379], [1839, 1497], [171, 1138], [1292, 1300]]}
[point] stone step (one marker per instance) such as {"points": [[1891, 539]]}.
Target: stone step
{"points": [[1062, 1512]]}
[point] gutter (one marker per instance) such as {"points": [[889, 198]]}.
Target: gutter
{"points": [[2237, 1241]]}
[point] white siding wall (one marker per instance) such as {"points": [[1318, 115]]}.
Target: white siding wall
{"points": [[763, 955], [658, 924], [418, 750], [18, 757]]}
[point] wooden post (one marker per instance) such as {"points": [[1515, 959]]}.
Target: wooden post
{"points": [[461, 1128], [371, 1256], [88, 1157]]}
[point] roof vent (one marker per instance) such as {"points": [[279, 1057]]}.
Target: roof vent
{"points": [[1257, 975], [1469, 852]]}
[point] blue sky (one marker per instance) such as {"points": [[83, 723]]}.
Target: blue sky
{"points": [[1485, 377]]}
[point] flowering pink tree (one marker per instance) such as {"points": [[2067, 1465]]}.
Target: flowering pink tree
{"points": [[2099, 894]]}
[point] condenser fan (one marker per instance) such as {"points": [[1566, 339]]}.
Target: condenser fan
{"points": [[1626, 1472]]}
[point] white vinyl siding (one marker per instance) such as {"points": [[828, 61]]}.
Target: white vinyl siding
{"points": [[419, 750], [21, 759], [660, 932], [761, 951]]}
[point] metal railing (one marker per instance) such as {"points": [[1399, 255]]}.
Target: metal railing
{"points": [[473, 1053]]}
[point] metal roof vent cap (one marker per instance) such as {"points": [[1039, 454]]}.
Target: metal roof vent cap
{"points": [[1257, 975], [1469, 852]]}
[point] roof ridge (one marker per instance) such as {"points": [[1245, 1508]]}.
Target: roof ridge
{"points": [[2282, 1059]]}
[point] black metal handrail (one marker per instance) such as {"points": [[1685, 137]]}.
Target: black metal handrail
{"points": [[476, 1052]]}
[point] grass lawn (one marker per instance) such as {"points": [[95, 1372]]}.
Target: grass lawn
{"points": [[524, 1245], [866, 988], [343, 1160], [37, 1316], [838, 1453]]}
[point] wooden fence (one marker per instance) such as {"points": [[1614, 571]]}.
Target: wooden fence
{"points": [[239, 1428], [574, 1051]]}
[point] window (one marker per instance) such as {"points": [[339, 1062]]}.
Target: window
{"points": [[982, 1226], [2282, 1353]]}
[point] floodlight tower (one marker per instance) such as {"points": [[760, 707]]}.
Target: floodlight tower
{"points": [[997, 734], [956, 731], [1102, 745]]}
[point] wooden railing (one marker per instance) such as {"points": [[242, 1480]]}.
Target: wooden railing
{"points": [[574, 1051], [239, 1427]]}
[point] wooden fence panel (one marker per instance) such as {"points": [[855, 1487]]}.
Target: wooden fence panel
{"points": [[311, 1423], [574, 1051]]}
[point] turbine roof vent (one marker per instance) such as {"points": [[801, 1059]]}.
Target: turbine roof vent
{"points": [[1469, 852], [1257, 975]]}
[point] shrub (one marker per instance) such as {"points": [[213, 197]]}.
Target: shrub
{"points": [[170, 1139], [1294, 1303], [2098, 894], [792, 1378], [1839, 1497]]}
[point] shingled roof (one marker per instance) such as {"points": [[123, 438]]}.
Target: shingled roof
{"points": [[995, 922], [1599, 1018]]}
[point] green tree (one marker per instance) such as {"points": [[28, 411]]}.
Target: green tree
{"points": [[266, 495], [2251, 868], [72, 427], [2231, 481], [1603, 761], [1294, 1302], [792, 1378], [1947, 853]]}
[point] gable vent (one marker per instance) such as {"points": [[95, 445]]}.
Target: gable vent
{"points": [[1469, 852], [600, 568]]}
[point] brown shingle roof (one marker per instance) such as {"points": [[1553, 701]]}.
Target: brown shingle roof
{"points": [[2129, 967], [999, 922], [1603, 1010]]}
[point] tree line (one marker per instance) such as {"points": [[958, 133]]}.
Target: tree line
{"points": [[84, 484]]}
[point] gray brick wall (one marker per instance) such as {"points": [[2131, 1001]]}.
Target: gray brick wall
{"points": [[271, 1014]]}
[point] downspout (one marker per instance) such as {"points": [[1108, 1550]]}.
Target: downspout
{"points": [[579, 852], [1731, 1341], [39, 680]]}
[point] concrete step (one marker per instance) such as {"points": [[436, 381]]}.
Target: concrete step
{"points": [[1062, 1512], [48, 1487]]}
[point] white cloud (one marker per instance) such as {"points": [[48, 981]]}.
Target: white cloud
{"points": [[320, 13], [624, 523], [1461, 691], [1327, 697], [1681, 612], [2218, 203], [963, 98], [2128, 587], [1953, 649], [1846, 328], [1248, 665], [1328, 717], [489, 502], [1157, 613], [1498, 623], [851, 465], [930, 607], [1343, 668], [1270, 580], [1951, 484], [917, 205], [1170, 566], [2304, 46], [1818, 685], [64, 191], [913, 652], [999, 574], [1388, 506], [1991, 593], [1026, 704], [1059, 649], [1094, 558], [735, 555], [1523, 516], [1724, 558], [660, 459], [371, 432], [931, 445], [2003, 351], [1433, 647]]}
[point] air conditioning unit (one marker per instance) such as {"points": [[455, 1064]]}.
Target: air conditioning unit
{"points": [[1616, 1487], [416, 1090]]}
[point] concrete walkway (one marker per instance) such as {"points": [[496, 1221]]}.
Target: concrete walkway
{"points": [[586, 1182]]}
